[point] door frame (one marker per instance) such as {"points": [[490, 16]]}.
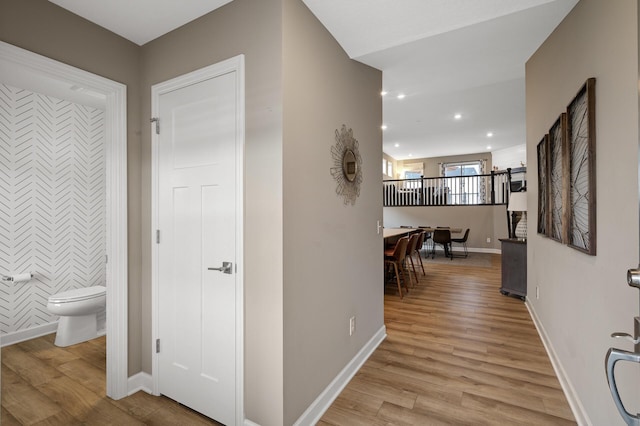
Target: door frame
{"points": [[116, 201], [234, 64]]}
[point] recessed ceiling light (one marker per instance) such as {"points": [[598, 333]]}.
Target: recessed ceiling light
{"points": [[384, 92], [489, 147], [401, 96], [410, 155], [490, 134], [457, 116], [383, 127], [397, 145]]}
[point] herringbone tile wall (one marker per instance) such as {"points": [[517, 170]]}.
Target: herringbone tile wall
{"points": [[52, 202]]}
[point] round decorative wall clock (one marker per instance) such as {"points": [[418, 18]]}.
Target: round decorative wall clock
{"points": [[347, 170]]}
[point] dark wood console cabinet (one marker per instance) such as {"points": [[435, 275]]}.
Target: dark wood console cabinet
{"points": [[514, 267]]}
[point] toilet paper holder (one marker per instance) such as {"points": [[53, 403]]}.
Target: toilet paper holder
{"points": [[16, 277]]}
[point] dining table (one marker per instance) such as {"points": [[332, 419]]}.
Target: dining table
{"points": [[391, 235], [401, 232]]}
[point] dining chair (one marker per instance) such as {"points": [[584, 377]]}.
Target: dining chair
{"points": [[419, 244], [411, 248], [442, 236], [396, 257], [427, 241], [462, 241]]}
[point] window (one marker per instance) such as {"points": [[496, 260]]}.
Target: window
{"points": [[389, 168], [413, 170], [465, 184], [384, 166], [462, 169]]}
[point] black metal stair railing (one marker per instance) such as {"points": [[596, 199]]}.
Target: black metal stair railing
{"points": [[488, 189]]}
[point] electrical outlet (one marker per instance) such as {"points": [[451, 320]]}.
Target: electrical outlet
{"points": [[537, 292], [488, 239], [352, 326]]}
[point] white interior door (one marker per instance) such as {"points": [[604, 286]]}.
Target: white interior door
{"points": [[197, 214]]}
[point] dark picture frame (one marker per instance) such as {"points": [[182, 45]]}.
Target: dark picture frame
{"points": [[581, 173], [557, 179], [544, 217]]}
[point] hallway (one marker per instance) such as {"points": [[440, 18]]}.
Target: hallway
{"points": [[457, 352]]}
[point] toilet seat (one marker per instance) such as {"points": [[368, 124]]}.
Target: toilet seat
{"points": [[78, 294]]}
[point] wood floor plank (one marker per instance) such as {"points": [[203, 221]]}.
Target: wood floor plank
{"points": [[140, 405], [27, 366], [512, 413], [105, 413], [6, 419], [71, 396], [93, 353], [86, 374], [175, 414], [44, 349], [23, 401], [468, 354]]}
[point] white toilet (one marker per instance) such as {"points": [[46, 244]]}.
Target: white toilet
{"points": [[78, 310]]}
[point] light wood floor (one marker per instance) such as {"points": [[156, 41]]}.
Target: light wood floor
{"points": [[457, 353], [46, 385]]}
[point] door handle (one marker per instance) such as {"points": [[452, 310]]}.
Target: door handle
{"points": [[613, 356], [225, 268]]}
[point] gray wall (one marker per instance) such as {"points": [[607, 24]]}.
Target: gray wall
{"points": [[483, 221], [332, 252], [256, 30], [432, 166], [585, 298], [252, 28], [46, 29]]}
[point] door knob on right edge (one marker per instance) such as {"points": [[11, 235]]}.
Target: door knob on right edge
{"points": [[613, 356], [633, 277]]}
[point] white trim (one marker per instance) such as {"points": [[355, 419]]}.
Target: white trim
{"points": [[314, 412], [473, 250], [250, 423], [572, 397], [140, 382], [28, 334], [481, 250], [116, 188], [230, 65]]}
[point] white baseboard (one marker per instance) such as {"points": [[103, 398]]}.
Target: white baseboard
{"points": [[480, 250], [315, 411], [474, 250], [28, 334], [250, 423], [140, 382], [572, 397]]}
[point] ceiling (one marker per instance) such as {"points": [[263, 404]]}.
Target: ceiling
{"points": [[446, 57]]}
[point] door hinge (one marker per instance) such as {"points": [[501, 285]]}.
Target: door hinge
{"points": [[157, 121], [157, 236], [157, 346], [106, 258]]}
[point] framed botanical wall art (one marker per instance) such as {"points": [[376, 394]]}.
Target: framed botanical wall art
{"points": [[543, 186], [556, 158], [581, 137]]}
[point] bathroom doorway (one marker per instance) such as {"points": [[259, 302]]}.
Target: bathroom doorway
{"points": [[33, 72]]}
